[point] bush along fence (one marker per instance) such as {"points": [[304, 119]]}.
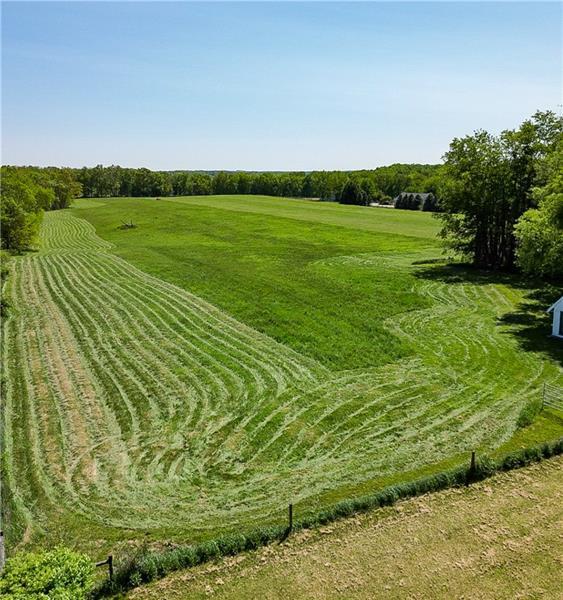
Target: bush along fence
{"points": [[147, 566]]}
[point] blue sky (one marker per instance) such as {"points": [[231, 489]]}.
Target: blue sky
{"points": [[268, 85]]}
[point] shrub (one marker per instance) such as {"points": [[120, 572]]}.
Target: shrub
{"points": [[149, 568], [187, 556], [387, 497], [344, 508], [169, 561], [485, 467], [532, 455], [231, 544], [207, 550], [58, 574]]}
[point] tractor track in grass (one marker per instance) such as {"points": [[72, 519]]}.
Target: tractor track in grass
{"points": [[143, 407]]}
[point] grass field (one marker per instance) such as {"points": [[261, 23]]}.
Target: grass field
{"points": [[499, 539], [230, 355]]}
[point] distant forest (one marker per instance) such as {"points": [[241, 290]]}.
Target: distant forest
{"points": [[364, 187]]}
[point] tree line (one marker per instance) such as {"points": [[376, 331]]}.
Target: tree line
{"points": [[375, 185]]}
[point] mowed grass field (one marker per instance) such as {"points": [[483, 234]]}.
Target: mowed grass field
{"points": [[230, 355]]}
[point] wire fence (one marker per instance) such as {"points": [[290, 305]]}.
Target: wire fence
{"points": [[552, 396]]}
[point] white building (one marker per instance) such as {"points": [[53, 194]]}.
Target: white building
{"points": [[557, 310]]}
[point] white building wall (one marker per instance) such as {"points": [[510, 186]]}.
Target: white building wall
{"points": [[557, 317]]}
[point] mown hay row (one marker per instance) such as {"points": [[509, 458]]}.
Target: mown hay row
{"points": [[143, 407]]}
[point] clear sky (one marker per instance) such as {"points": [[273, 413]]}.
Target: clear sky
{"points": [[263, 86]]}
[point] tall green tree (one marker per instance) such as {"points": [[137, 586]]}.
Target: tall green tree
{"points": [[26, 193], [487, 186], [475, 200], [370, 192], [20, 209], [352, 193], [65, 188], [539, 232]]}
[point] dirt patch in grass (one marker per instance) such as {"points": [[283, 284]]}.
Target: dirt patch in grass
{"points": [[502, 538]]}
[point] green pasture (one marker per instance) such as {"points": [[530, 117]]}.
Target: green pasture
{"points": [[267, 262], [227, 355]]}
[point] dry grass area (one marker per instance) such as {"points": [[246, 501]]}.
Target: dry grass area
{"points": [[502, 538]]}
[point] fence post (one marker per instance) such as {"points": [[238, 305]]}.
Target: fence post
{"points": [[290, 517], [472, 466], [2, 555], [109, 563]]}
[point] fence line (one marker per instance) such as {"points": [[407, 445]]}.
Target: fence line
{"points": [[157, 564], [552, 396]]}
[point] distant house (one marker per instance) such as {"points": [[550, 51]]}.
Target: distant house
{"points": [[416, 201], [557, 310]]}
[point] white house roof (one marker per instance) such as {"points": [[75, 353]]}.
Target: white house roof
{"points": [[557, 303]]}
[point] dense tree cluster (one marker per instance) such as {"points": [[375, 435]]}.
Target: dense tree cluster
{"points": [[26, 193], [408, 201], [539, 232], [113, 181], [488, 184]]}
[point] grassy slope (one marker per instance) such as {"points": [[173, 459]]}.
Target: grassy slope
{"points": [[497, 539], [270, 272], [383, 220], [158, 417]]}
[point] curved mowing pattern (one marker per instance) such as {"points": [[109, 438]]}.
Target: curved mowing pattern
{"points": [[143, 407]]}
